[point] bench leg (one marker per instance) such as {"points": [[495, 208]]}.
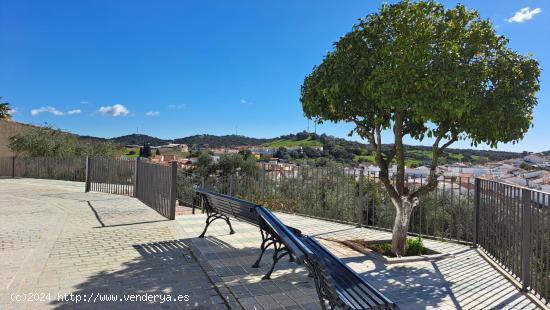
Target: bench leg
{"points": [[231, 231], [208, 222], [211, 219], [290, 258], [279, 253], [265, 244], [319, 292]]}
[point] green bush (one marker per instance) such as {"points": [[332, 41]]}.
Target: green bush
{"points": [[415, 246]]}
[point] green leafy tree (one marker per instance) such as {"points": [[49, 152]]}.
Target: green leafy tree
{"points": [[245, 153], [50, 142], [5, 111], [229, 163], [420, 70], [205, 164], [145, 151]]}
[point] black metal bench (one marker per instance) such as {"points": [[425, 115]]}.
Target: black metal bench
{"points": [[220, 206], [274, 232], [338, 284]]}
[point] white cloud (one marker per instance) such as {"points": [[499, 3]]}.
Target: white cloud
{"points": [[245, 102], [177, 106], [152, 113], [523, 15], [12, 111], [114, 110], [50, 110], [76, 111], [83, 102]]}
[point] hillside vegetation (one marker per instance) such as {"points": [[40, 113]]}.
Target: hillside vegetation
{"points": [[334, 149], [203, 141]]}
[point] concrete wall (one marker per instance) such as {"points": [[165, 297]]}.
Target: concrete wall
{"points": [[8, 129]]}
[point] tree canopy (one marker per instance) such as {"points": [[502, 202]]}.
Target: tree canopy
{"points": [[423, 71], [50, 142], [5, 111]]}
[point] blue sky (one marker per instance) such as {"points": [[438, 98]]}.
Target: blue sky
{"points": [[177, 68]]}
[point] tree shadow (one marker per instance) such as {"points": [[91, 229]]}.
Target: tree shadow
{"points": [[463, 282]]}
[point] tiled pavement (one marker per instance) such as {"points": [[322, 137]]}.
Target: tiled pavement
{"points": [[465, 281], [54, 238]]}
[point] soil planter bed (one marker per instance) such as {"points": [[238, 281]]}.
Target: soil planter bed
{"points": [[377, 250]]}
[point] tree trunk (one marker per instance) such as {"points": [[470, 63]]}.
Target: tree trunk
{"points": [[403, 214]]}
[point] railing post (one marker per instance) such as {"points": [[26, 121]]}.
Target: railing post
{"points": [[13, 167], [230, 185], [201, 200], [477, 202], [360, 200], [136, 177], [526, 239], [173, 189], [88, 180]]}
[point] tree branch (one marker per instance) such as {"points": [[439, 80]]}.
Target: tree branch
{"points": [[399, 153], [432, 178], [375, 138]]}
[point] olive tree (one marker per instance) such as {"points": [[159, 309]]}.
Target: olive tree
{"points": [[419, 70]]}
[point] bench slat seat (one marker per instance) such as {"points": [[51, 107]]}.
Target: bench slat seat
{"points": [[220, 206], [341, 285]]}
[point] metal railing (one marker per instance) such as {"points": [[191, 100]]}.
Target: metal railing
{"points": [[346, 195], [513, 227], [156, 187], [110, 175], [153, 184], [56, 168], [511, 224]]}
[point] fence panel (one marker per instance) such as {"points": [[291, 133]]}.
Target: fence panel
{"points": [[56, 168], [6, 166], [156, 187], [112, 175], [514, 229]]}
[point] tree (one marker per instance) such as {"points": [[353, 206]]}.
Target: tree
{"points": [[229, 163], [145, 151], [245, 153], [5, 111], [157, 152], [205, 164], [417, 69], [50, 142]]}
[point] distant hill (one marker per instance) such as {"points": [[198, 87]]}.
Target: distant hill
{"points": [[139, 139], [339, 149], [220, 141]]}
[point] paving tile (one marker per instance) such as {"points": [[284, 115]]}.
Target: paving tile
{"points": [[52, 242]]}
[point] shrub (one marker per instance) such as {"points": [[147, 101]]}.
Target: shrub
{"points": [[415, 246]]}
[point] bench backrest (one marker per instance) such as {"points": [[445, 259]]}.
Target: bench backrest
{"points": [[339, 280], [287, 235], [228, 205]]}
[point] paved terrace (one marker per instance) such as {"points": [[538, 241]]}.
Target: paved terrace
{"points": [[56, 239]]}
